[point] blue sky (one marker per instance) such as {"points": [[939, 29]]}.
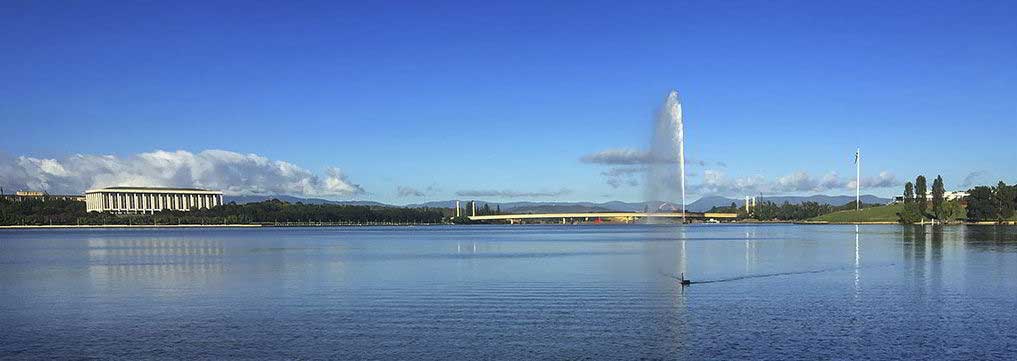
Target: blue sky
{"points": [[503, 98]]}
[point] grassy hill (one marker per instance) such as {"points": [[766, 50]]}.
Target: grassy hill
{"points": [[887, 213]]}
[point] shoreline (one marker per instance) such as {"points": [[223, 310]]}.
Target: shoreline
{"points": [[54, 226], [241, 225], [130, 226]]}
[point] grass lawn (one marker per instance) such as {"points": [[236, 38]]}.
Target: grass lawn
{"points": [[887, 213]]}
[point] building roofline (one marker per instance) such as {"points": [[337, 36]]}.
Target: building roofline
{"points": [[151, 190]]}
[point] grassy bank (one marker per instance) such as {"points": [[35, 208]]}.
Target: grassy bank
{"points": [[882, 214], [887, 213]]}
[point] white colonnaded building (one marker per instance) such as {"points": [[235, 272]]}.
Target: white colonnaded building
{"points": [[139, 200]]}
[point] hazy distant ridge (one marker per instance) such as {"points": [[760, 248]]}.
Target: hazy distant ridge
{"points": [[701, 205]]}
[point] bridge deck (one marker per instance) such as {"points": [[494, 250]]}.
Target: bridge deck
{"points": [[603, 215]]}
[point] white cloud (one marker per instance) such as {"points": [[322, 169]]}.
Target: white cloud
{"points": [[716, 182], [629, 156], [883, 180], [233, 173], [620, 156]]}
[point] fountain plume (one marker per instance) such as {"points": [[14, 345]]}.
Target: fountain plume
{"points": [[666, 173]]}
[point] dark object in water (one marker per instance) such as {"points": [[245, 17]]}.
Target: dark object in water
{"points": [[683, 281]]}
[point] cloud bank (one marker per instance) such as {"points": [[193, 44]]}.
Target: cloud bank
{"points": [[628, 164], [716, 182], [233, 173], [631, 166], [629, 156], [407, 191]]}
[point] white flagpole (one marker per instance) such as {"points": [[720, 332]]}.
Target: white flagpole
{"points": [[858, 178]]}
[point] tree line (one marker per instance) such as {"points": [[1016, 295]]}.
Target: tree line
{"points": [[982, 203], [771, 211], [987, 203], [65, 212], [921, 204]]}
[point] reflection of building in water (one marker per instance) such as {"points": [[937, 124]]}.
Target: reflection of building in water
{"points": [[161, 261], [122, 200]]}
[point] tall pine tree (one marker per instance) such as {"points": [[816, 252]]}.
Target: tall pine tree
{"points": [[1003, 201], [921, 194], [938, 191]]}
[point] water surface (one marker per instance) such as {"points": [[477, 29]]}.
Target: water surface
{"points": [[511, 292]]}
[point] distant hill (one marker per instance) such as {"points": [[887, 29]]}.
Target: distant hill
{"points": [[708, 202], [561, 208], [531, 207], [701, 205], [705, 203], [292, 199]]}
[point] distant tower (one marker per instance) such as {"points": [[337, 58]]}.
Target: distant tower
{"points": [[473, 208], [457, 210], [746, 204]]}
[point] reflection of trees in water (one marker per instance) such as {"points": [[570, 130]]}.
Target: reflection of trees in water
{"points": [[991, 238], [924, 247]]}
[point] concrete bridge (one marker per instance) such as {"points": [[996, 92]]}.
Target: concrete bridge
{"points": [[626, 215]]}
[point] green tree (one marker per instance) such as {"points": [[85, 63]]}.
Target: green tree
{"points": [[980, 204], [938, 190], [909, 213], [1003, 201], [909, 193], [921, 194], [953, 210]]}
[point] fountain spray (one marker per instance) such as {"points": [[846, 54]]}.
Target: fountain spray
{"points": [[667, 148], [679, 121]]}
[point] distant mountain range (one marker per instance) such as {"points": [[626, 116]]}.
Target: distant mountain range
{"points": [[701, 205], [705, 203], [292, 199]]}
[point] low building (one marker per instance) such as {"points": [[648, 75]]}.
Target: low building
{"points": [[949, 196], [137, 200], [37, 195]]}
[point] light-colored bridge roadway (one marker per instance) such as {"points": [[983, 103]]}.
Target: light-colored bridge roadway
{"points": [[604, 215]]}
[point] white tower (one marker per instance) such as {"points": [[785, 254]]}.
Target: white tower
{"points": [[858, 178]]}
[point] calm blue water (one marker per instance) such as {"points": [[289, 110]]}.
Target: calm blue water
{"points": [[511, 292]]}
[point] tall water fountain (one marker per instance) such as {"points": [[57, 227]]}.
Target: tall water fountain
{"points": [[666, 174]]}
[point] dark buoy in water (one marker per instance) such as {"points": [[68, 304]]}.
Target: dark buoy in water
{"points": [[684, 282]]}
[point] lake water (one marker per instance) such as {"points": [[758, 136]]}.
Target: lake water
{"points": [[511, 292]]}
